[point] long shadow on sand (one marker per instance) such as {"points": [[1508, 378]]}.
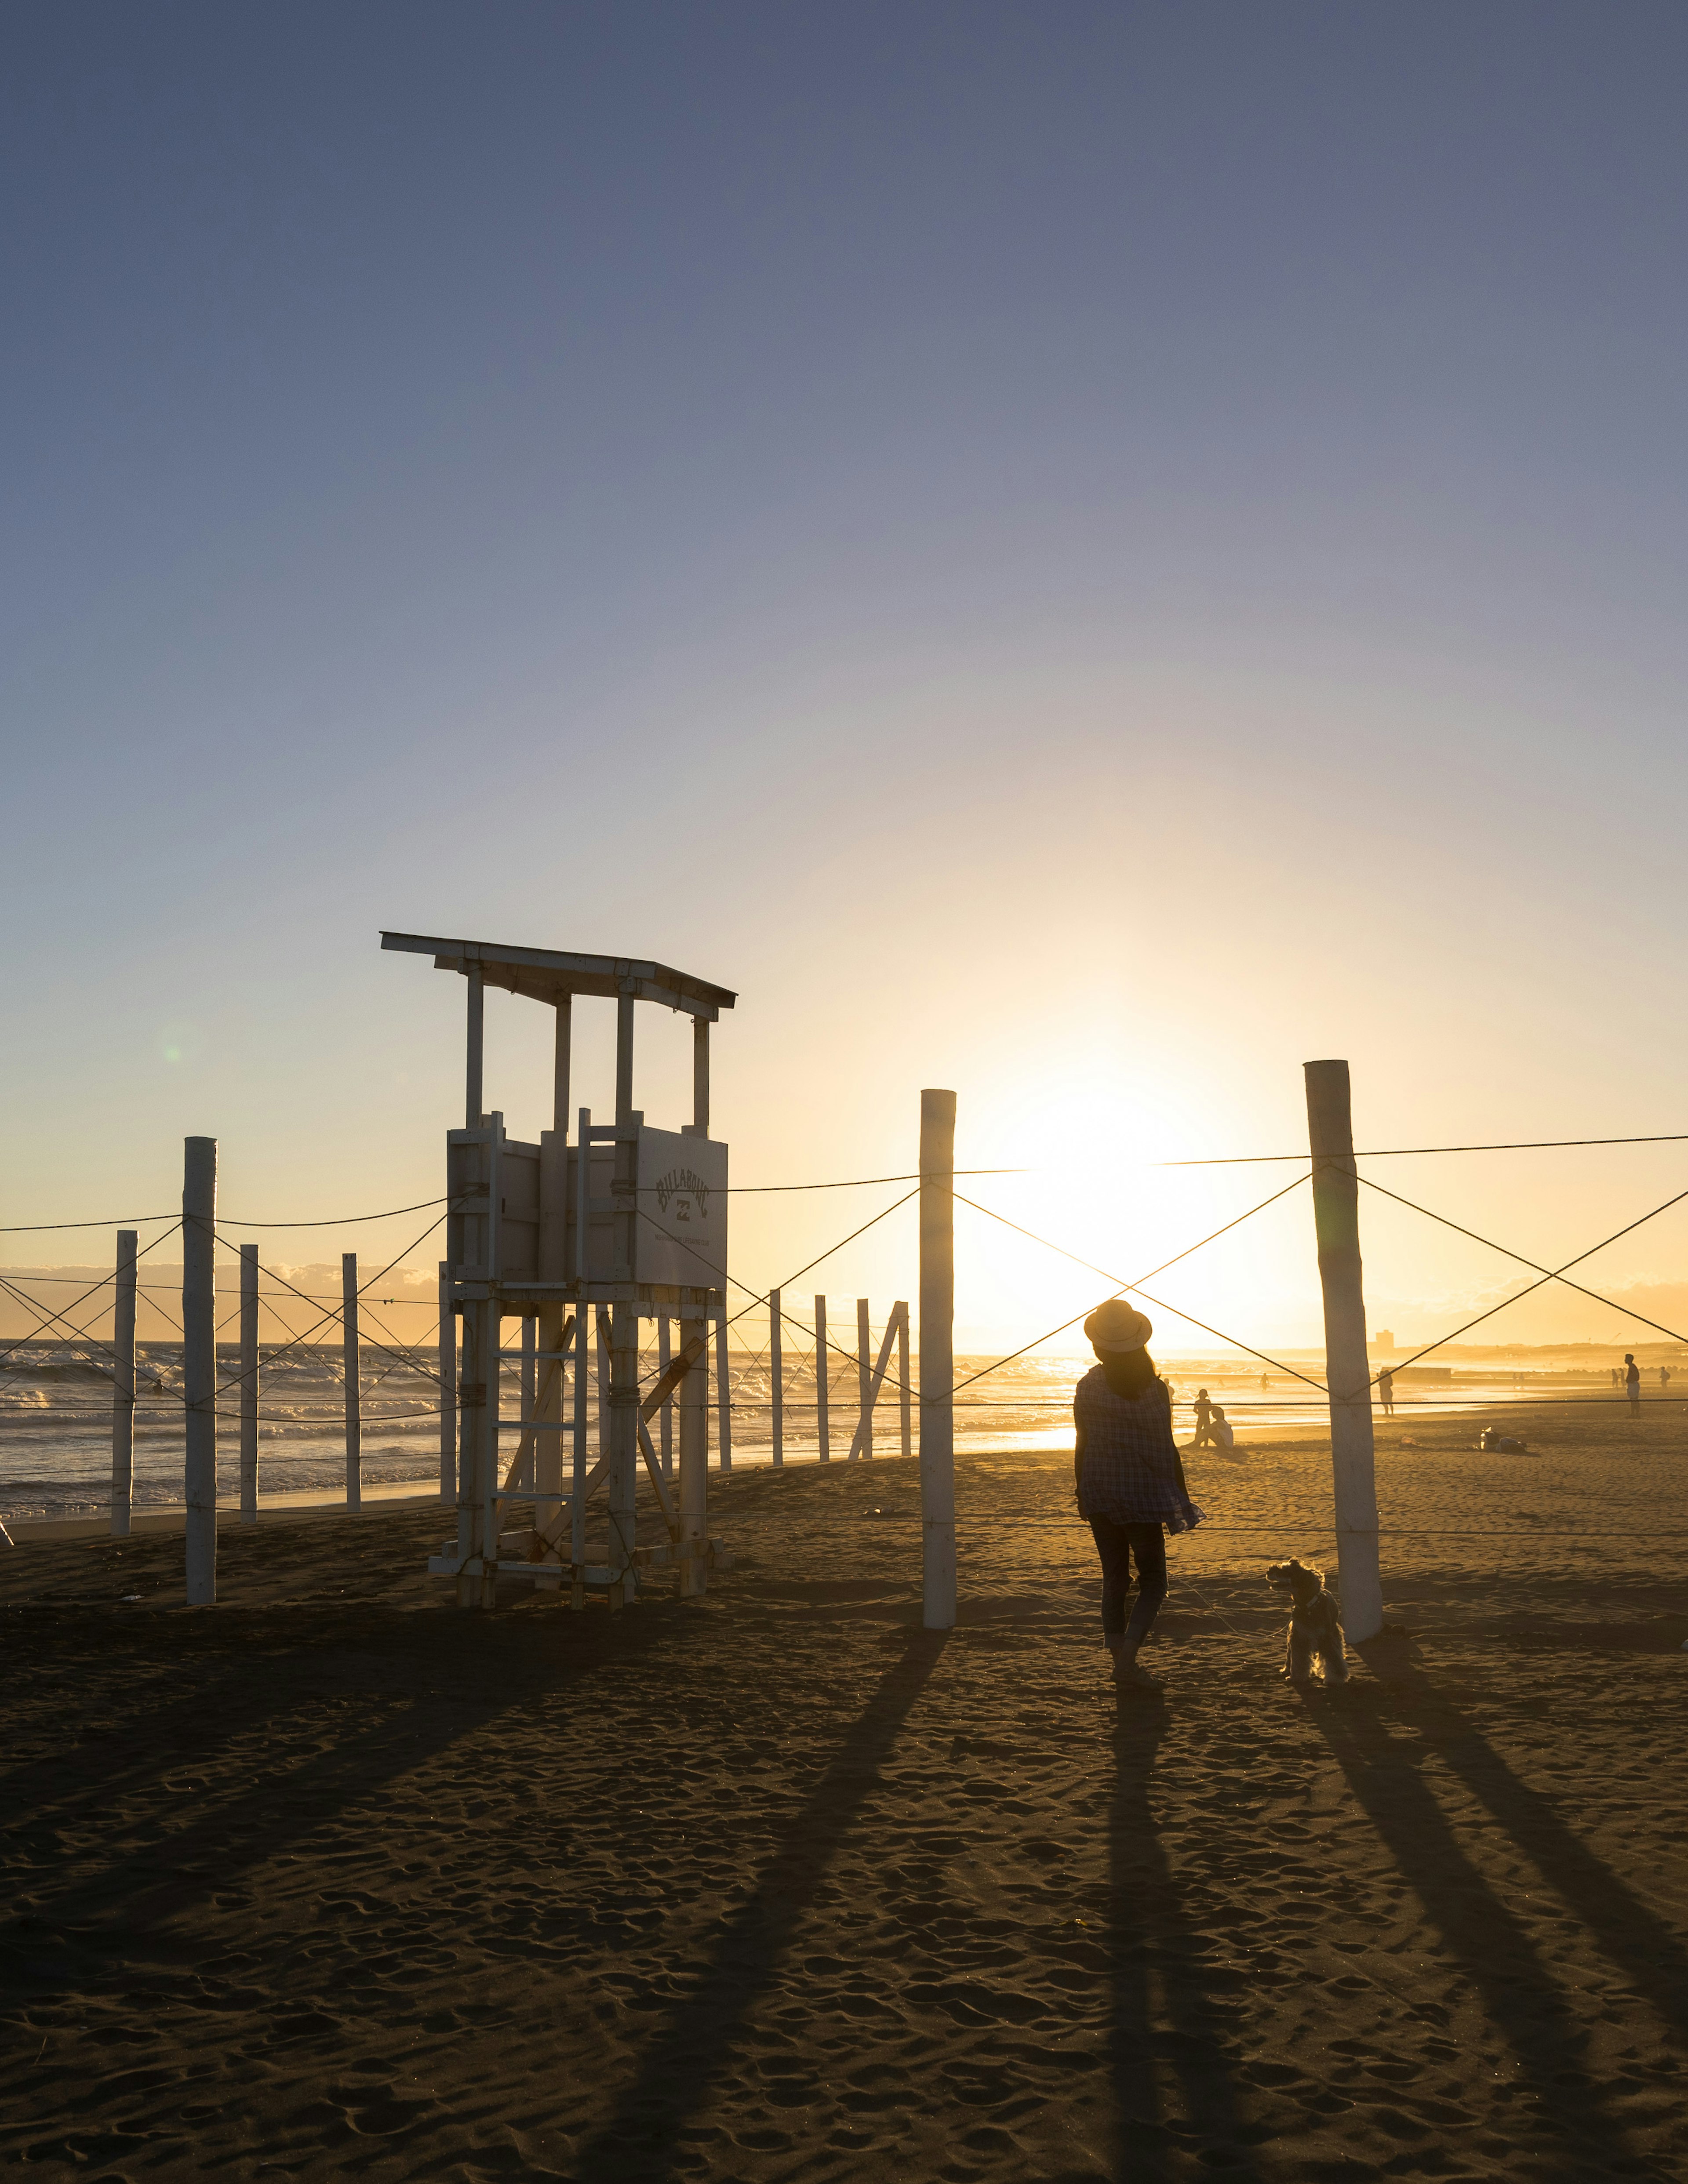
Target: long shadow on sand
{"points": [[185, 1784], [1151, 1944], [1573, 2128], [681, 2067]]}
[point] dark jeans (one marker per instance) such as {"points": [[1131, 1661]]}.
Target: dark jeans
{"points": [[1117, 1544]]}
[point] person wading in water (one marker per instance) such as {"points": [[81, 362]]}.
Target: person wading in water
{"points": [[1127, 1478]]}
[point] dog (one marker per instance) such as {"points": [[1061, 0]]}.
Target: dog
{"points": [[1315, 1627]]}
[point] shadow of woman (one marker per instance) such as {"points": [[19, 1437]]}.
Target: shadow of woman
{"points": [[1171, 2080]]}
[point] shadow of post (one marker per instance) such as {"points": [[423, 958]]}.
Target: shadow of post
{"points": [[1616, 1921], [682, 2064], [1570, 2127]]}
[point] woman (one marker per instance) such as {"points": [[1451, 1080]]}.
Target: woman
{"points": [[1127, 1478]]}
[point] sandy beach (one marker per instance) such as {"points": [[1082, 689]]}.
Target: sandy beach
{"points": [[335, 1879]]}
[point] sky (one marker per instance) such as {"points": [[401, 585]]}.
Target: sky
{"points": [[1086, 555]]}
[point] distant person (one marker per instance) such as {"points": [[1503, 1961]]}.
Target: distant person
{"points": [[1386, 1391], [1128, 1478], [1220, 1428], [1632, 1381], [1663, 1377], [1204, 1413], [1265, 1379]]}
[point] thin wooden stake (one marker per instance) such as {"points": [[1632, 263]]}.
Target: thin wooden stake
{"points": [[905, 1393], [777, 1377], [448, 1388], [123, 1387], [693, 1444], [664, 1358], [1347, 1370], [723, 1385], [248, 1384], [353, 1364], [199, 1366], [938, 1358], [822, 1372], [863, 1442]]}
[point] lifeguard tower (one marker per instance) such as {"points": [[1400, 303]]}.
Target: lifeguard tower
{"points": [[585, 1238]]}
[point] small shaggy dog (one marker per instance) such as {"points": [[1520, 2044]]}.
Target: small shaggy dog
{"points": [[1315, 1630]]}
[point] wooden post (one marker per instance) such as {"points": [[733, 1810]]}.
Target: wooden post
{"points": [[248, 1384], [905, 1392], [777, 1379], [123, 1387], [724, 1389], [448, 1388], [699, 1078], [584, 1329], [477, 1019], [601, 1317], [624, 1324], [665, 1356], [1347, 1371], [352, 1361], [823, 1370], [471, 1401], [583, 1382], [693, 1445], [864, 1383], [938, 1358], [554, 1183], [199, 1366], [489, 1349]]}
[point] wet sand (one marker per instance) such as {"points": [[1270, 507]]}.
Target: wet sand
{"points": [[334, 1878]]}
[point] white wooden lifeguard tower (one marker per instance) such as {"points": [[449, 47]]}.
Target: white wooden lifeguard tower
{"points": [[585, 1238]]}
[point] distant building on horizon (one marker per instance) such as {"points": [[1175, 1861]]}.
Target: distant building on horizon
{"points": [[1383, 1338]]}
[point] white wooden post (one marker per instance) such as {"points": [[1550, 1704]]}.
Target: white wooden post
{"points": [[603, 1323], [448, 1388], [777, 1379], [864, 1383], [582, 1383], [476, 982], [723, 1385], [583, 1353], [665, 1357], [694, 1445], [123, 1387], [822, 1369], [938, 1358], [905, 1393], [353, 1364], [1347, 1370], [199, 1366], [248, 1384]]}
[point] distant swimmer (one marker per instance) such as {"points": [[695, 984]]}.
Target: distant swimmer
{"points": [[1665, 1376], [1386, 1391], [1204, 1414], [1632, 1381]]}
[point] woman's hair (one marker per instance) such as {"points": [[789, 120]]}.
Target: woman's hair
{"points": [[1129, 1372]]}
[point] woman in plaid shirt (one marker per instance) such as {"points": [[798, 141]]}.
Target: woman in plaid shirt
{"points": [[1127, 1478]]}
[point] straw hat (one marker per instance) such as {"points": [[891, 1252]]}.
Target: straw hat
{"points": [[1115, 1326]]}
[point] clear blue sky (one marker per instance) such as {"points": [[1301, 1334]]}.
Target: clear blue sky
{"points": [[1083, 553]]}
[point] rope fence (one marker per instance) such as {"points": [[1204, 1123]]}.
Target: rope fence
{"points": [[762, 1382]]}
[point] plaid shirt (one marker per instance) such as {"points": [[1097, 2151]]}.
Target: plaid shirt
{"points": [[1131, 1461]]}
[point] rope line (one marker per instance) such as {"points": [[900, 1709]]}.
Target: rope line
{"points": [[1533, 1265], [1532, 1287], [1138, 1289], [1400, 1152]]}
